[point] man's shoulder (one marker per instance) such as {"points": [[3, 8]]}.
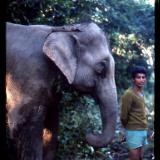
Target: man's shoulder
{"points": [[128, 92]]}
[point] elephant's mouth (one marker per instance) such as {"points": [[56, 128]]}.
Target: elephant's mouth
{"points": [[85, 89]]}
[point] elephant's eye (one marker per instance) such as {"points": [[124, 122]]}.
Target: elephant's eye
{"points": [[101, 68]]}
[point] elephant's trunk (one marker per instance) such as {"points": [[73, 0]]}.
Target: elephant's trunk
{"points": [[107, 99]]}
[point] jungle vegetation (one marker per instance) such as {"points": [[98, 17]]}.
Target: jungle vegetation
{"points": [[130, 28]]}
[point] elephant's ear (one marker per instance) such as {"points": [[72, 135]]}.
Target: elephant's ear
{"points": [[60, 48]]}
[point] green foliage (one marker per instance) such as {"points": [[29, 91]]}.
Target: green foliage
{"points": [[72, 143], [129, 50], [23, 11]]}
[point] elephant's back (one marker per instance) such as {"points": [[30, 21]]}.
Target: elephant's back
{"points": [[24, 41], [24, 49], [26, 65]]}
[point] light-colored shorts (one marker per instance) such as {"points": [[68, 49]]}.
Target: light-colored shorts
{"points": [[136, 138]]}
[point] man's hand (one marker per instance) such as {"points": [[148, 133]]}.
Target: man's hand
{"points": [[152, 136]]}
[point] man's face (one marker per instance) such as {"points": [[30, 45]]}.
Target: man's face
{"points": [[139, 80]]}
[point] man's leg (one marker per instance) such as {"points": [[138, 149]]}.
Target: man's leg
{"points": [[141, 153], [135, 154]]}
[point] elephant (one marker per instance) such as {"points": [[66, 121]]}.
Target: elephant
{"points": [[37, 58]]}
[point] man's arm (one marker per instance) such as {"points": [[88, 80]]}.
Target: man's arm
{"points": [[126, 102]]}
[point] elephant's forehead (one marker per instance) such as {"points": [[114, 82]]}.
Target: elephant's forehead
{"points": [[96, 56], [100, 51], [93, 43], [94, 27], [91, 32]]}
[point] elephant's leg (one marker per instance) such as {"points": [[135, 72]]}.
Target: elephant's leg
{"points": [[28, 132], [50, 133]]}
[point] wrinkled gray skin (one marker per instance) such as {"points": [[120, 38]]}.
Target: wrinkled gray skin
{"points": [[81, 52]]}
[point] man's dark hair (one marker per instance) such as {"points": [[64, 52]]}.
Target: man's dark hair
{"points": [[138, 69]]}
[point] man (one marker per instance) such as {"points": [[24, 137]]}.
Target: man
{"points": [[133, 116]]}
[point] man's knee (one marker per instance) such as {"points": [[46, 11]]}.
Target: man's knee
{"points": [[134, 154]]}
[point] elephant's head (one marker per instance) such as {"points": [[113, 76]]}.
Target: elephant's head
{"points": [[82, 53]]}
